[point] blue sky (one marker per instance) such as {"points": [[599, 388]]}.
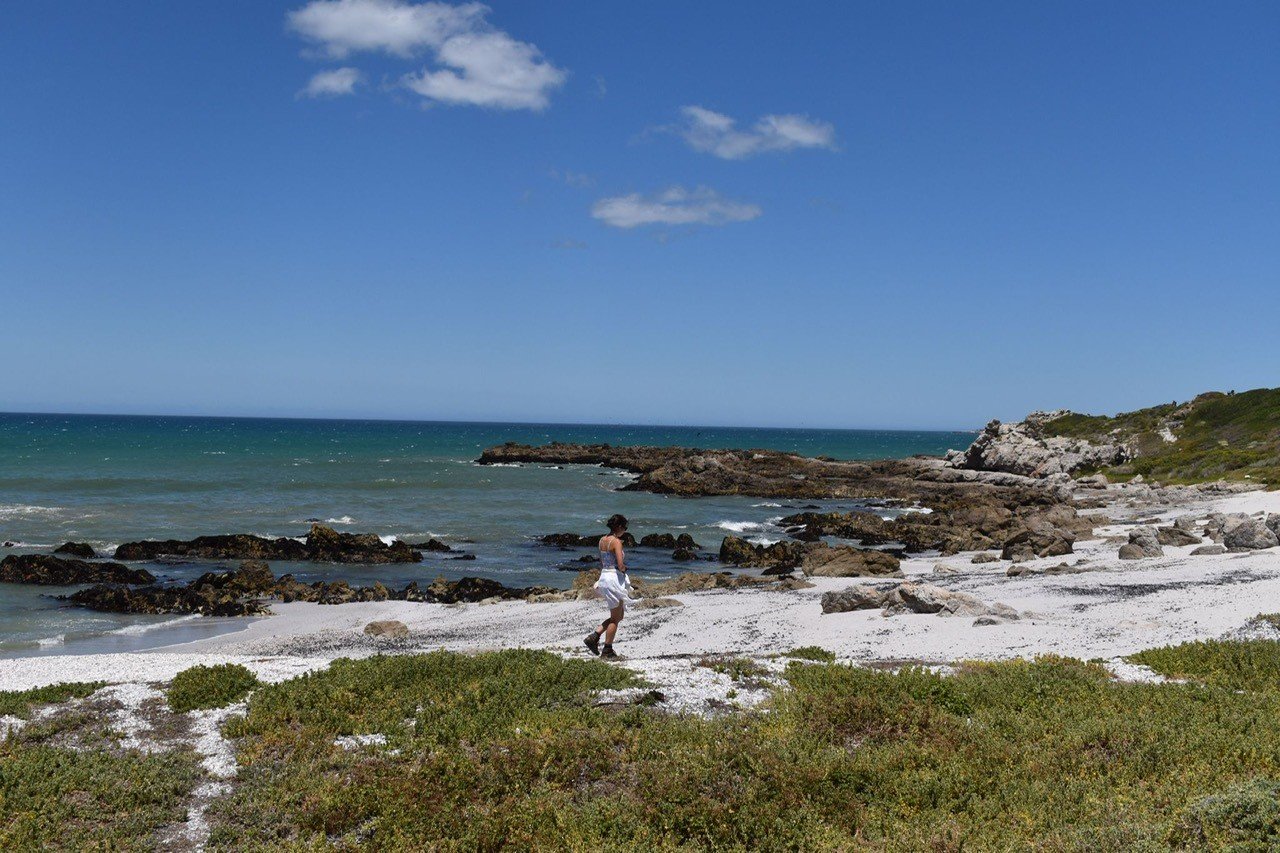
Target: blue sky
{"points": [[838, 214]]}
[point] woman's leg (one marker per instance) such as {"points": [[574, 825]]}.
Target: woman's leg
{"points": [[610, 625]]}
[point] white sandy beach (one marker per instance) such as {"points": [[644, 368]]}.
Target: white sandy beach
{"points": [[1109, 609]]}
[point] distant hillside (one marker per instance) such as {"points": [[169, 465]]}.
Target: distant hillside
{"points": [[1215, 436]]}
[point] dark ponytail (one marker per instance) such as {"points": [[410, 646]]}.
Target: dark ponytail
{"points": [[616, 522]]}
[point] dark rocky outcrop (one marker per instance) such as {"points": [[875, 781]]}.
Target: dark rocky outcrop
{"points": [[845, 561], [684, 555], [47, 570], [432, 545], [1040, 539], [247, 591], [812, 558], [970, 510], [590, 540], [322, 545], [737, 551], [79, 550]]}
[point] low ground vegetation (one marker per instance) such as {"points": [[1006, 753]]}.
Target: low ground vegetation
{"points": [[508, 749], [20, 703]]}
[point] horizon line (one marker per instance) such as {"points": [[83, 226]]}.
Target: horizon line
{"points": [[470, 422]]}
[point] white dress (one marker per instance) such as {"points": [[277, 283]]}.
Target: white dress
{"points": [[614, 586]]}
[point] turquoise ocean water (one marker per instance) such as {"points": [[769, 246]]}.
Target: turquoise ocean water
{"points": [[110, 479]]}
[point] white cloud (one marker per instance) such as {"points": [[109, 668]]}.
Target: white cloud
{"points": [[339, 81], [717, 133], [489, 70], [472, 62], [392, 26], [674, 206]]}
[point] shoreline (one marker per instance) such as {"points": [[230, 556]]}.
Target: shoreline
{"points": [[1103, 608]]}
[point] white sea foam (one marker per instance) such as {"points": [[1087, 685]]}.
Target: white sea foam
{"points": [[388, 540], [767, 503], [740, 526], [28, 510], [147, 627], [345, 519], [55, 640]]}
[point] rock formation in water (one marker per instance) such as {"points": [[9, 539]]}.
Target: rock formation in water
{"points": [[322, 545]]}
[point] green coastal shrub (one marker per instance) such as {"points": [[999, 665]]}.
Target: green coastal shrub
{"points": [[1234, 664], [507, 749], [66, 799], [1245, 817], [210, 687], [817, 653], [19, 703]]}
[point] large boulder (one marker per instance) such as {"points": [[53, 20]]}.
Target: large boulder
{"points": [[913, 598], [1176, 536], [853, 598], [846, 561], [47, 570], [1250, 535], [391, 628], [1041, 539], [1143, 542]]}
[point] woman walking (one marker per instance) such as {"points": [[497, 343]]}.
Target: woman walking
{"points": [[613, 587]]}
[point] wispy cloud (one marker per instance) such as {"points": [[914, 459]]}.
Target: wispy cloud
{"points": [[580, 180], [673, 206], [470, 61], [717, 133], [329, 84]]}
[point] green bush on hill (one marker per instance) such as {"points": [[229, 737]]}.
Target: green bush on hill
{"points": [[1220, 436]]}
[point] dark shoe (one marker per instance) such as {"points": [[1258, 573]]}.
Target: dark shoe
{"points": [[592, 642], [608, 652]]}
